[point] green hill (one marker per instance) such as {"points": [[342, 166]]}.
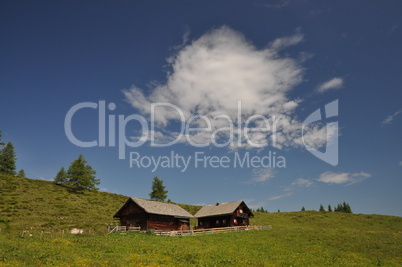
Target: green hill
{"points": [[36, 204], [28, 204], [296, 239]]}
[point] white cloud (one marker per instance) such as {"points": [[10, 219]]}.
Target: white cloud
{"points": [[303, 182], [343, 178], [281, 196], [262, 174], [209, 75], [400, 163], [390, 118], [334, 83], [286, 41], [216, 70]]}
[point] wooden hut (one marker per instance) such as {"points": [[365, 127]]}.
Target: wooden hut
{"points": [[153, 215], [224, 215]]}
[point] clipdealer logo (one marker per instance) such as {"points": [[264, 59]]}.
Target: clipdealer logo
{"points": [[112, 127]]}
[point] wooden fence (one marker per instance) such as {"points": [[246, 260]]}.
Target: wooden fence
{"points": [[112, 229], [212, 230]]}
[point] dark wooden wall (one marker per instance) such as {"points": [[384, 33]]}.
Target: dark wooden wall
{"points": [[133, 215], [240, 217]]}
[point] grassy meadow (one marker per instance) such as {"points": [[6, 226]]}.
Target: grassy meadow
{"points": [[296, 239]]}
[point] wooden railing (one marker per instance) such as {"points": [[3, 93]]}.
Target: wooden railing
{"points": [[212, 230], [112, 229]]}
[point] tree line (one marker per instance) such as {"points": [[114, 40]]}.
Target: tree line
{"points": [[341, 207]]}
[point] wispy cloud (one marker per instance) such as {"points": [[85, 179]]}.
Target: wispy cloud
{"points": [[286, 41], [290, 189], [281, 196], [390, 118], [393, 29], [400, 163], [278, 4], [262, 174], [343, 178], [303, 182], [334, 83]]}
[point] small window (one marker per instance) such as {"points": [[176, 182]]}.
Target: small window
{"points": [[235, 221], [217, 221], [223, 221], [241, 211], [201, 223]]}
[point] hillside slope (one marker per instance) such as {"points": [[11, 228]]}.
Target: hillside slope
{"points": [[36, 204]]}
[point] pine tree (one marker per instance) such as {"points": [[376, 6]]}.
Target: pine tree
{"points": [[7, 159], [61, 177], [322, 207], [346, 207], [329, 208], [339, 208], [279, 210], [158, 190], [303, 209], [80, 175], [1, 143], [262, 209], [21, 173]]}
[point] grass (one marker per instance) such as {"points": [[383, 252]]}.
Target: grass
{"points": [[296, 239], [43, 205]]}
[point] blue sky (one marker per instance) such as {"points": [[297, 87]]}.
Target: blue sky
{"points": [[277, 58]]}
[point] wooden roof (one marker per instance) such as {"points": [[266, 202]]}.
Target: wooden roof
{"points": [[156, 207], [221, 209]]}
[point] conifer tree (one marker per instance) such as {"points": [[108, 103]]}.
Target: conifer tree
{"points": [[61, 177], [262, 209], [303, 209], [21, 173], [7, 159], [329, 208], [322, 207], [80, 175], [339, 208], [158, 192], [1, 143], [346, 207]]}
